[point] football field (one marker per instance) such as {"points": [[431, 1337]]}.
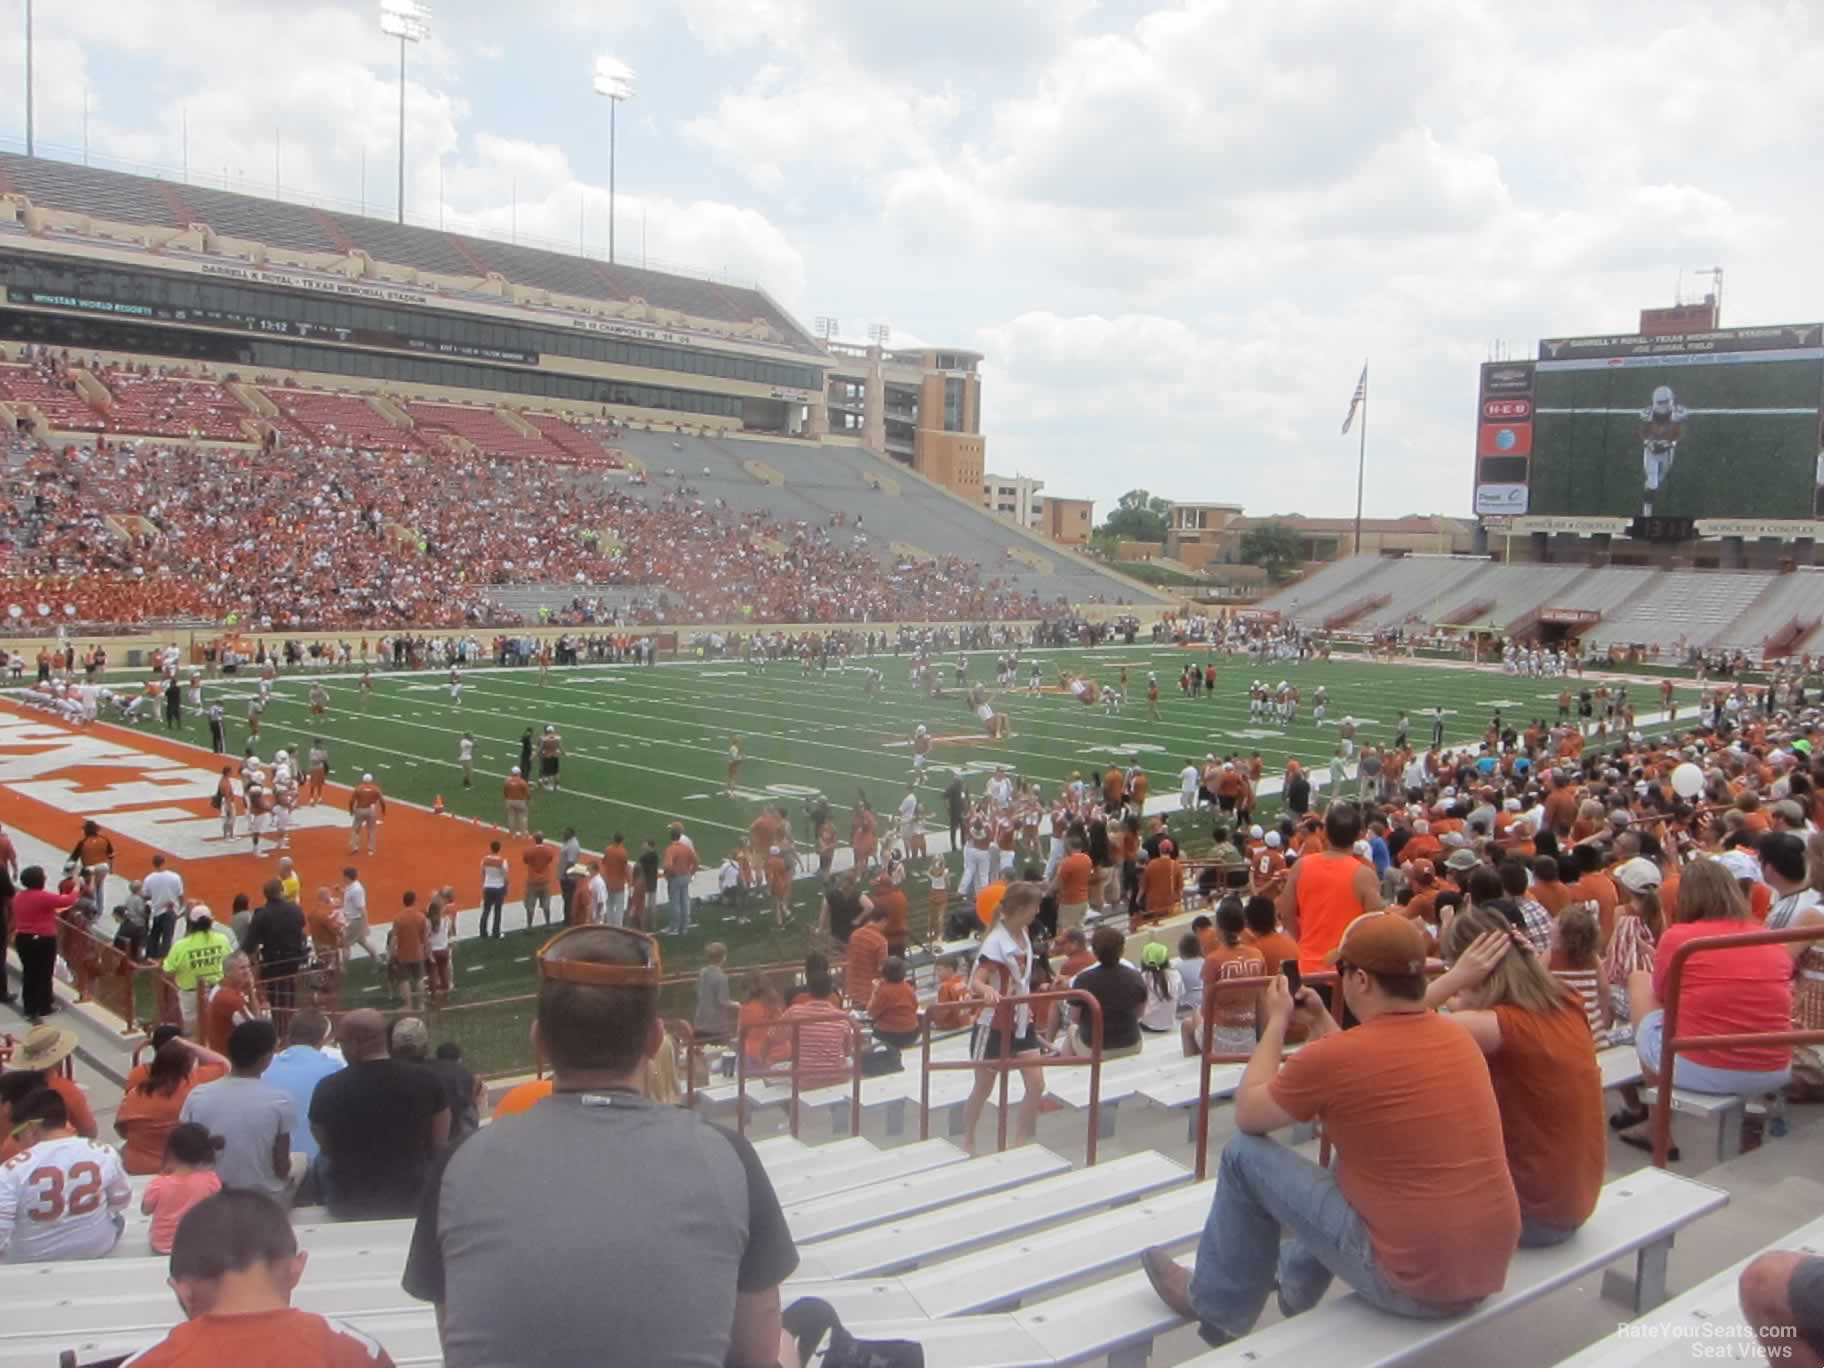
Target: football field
{"points": [[643, 747]]}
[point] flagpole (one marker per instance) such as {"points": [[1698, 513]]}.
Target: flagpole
{"points": [[1361, 462]]}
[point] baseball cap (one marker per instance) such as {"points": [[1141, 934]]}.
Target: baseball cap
{"points": [[1155, 955], [1741, 863], [1381, 944], [1272, 840], [1254, 832], [1167, 848], [1638, 875], [200, 915]]}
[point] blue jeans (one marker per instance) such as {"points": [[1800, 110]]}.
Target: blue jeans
{"points": [[678, 885], [1649, 1042], [1262, 1189]]}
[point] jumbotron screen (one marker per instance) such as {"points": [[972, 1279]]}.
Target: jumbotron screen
{"points": [[1721, 424]]}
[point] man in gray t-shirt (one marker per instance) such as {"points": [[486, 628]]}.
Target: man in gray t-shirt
{"points": [[254, 1119], [600, 1226]]}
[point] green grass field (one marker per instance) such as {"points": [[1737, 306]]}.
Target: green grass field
{"points": [[646, 746]]}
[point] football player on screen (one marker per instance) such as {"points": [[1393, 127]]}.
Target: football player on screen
{"points": [[1662, 425]]}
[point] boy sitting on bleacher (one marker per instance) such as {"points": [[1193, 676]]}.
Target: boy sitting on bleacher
{"points": [[233, 1267], [1419, 1216]]}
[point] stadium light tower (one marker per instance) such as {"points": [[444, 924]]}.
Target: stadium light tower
{"points": [[28, 77], [410, 22], [613, 78]]}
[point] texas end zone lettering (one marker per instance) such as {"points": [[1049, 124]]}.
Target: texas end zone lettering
{"points": [[130, 792]]}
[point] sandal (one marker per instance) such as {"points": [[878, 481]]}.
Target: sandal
{"points": [[1627, 1119], [1645, 1142]]}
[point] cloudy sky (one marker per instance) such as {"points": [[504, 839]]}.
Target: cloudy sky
{"points": [[1175, 229]]}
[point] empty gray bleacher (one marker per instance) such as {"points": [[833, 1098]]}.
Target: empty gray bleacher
{"points": [[1326, 589], [1789, 599], [1516, 590], [1681, 606], [1421, 589], [1602, 590]]}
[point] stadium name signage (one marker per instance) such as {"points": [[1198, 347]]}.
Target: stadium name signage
{"points": [[1779, 338], [1571, 617], [321, 284], [1582, 527], [1786, 529]]}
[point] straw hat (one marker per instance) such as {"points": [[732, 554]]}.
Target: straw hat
{"points": [[44, 1047]]}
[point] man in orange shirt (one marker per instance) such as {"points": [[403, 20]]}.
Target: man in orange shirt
{"points": [[230, 1003], [615, 866], [517, 794], [539, 861], [1161, 881], [890, 898], [1070, 884], [1428, 1218], [366, 806], [866, 954], [680, 865], [411, 936], [1328, 889]]}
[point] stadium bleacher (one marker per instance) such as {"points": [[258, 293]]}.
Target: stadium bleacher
{"points": [[1673, 610], [144, 200]]}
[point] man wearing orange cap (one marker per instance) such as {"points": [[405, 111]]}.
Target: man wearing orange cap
{"points": [[1420, 1220]]}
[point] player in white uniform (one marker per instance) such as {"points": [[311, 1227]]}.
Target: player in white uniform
{"points": [[465, 756], [455, 686], [284, 799], [1320, 703], [921, 753], [1662, 427], [1111, 702], [196, 690], [62, 1197]]}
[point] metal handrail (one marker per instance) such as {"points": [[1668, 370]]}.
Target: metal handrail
{"points": [[856, 1042], [1006, 1063], [1252, 983], [1661, 1121]]}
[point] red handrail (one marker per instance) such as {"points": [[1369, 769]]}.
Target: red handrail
{"points": [[1007, 1063], [857, 1044], [1672, 1042], [1253, 983]]}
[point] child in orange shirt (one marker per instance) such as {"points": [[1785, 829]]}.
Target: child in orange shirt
{"points": [[894, 1006], [760, 1007], [951, 988], [187, 1177]]}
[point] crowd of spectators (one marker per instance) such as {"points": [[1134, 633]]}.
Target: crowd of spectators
{"points": [[328, 537]]}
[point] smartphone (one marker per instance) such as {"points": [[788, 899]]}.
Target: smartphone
{"points": [[1294, 979]]}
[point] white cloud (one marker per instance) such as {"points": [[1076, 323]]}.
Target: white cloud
{"points": [[1175, 227]]}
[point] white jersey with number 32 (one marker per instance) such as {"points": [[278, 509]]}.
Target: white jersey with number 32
{"points": [[59, 1199]]}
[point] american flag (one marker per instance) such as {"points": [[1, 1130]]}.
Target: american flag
{"points": [[1361, 396]]}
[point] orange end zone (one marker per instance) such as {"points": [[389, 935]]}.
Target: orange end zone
{"points": [[150, 795]]}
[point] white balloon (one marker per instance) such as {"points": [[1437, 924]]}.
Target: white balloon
{"points": [[1687, 780]]}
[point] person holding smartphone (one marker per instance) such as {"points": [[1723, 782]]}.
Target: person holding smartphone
{"points": [[1420, 1220]]}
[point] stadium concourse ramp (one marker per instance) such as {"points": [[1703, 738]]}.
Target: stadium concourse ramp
{"points": [[820, 485], [1676, 610]]}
